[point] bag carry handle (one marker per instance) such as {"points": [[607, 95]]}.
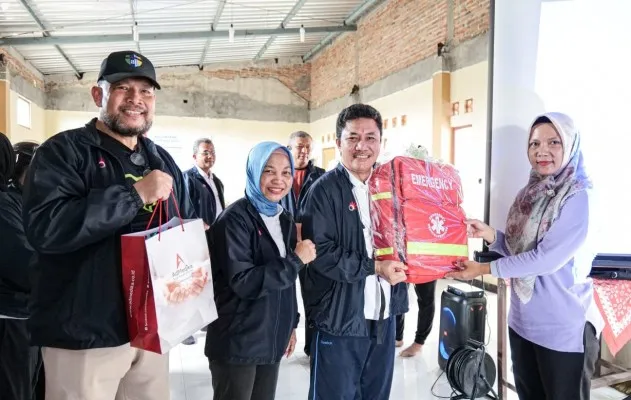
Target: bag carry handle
{"points": [[166, 208]]}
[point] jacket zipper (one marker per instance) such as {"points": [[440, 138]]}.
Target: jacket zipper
{"points": [[274, 349]]}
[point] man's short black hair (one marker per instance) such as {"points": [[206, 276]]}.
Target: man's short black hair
{"points": [[357, 111]]}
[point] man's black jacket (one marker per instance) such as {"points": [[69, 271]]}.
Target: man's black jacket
{"points": [[255, 288], [16, 256], [335, 280], [202, 195], [291, 202], [77, 204]]}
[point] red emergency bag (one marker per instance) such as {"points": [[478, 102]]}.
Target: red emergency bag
{"points": [[417, 217]]}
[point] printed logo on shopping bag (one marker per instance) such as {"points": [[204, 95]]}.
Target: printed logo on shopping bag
{"points": [[181, 265], [437, 225], [185, 282]]}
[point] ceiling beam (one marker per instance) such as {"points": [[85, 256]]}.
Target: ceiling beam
{"points": [[361, 10], [133, 21], [218, 13], [90, 39], [29, 9], [283, 24]]}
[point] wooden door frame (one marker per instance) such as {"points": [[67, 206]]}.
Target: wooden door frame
{"points": [[452, 145], [322, 154]]}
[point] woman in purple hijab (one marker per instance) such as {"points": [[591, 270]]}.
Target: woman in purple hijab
{"points": [[553, 321]]}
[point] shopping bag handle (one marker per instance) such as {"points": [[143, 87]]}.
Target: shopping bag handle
{"points": [[158, 209], [177, 209]]}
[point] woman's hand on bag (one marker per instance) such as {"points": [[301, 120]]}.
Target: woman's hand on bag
{"points": [[478, 229], [292, 344], [469, 270], [306, 251]]}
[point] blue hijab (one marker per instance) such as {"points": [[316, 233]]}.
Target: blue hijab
{"points": [[256, 164]]}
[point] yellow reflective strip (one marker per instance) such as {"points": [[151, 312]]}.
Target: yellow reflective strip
{"points": [[384, 252], [438, 249], [382, 196]]}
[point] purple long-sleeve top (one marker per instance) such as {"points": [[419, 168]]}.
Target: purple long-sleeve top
{"points": [[563, 299]]}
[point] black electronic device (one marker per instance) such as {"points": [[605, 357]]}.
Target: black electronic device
{"points": [[462, 317], [611, 266], [467, 291], [486, 256]]}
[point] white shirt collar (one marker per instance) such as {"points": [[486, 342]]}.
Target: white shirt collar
{"points": [[209, 176], [355, 181]]}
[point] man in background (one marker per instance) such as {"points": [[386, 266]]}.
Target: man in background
{"points": [[301, 144], [306, 173], [205, 188]]}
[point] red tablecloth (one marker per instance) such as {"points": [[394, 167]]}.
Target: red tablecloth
{"points": [[613, 298]]}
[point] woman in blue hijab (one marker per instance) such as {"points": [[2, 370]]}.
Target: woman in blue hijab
{"points": [[255, 260]]}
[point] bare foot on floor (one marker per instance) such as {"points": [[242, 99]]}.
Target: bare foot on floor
{"points": [[398, 343], [411, 351]]}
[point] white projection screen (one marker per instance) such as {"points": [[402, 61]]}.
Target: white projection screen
{"points": [[572, 56]]}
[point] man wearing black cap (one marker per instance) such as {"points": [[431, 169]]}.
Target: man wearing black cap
{"points": [[86, 187]]}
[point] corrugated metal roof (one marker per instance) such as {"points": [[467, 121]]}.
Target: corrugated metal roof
{"points": [[109, 17]]}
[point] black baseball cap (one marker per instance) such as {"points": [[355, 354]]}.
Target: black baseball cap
{"points": [[127, 64]]}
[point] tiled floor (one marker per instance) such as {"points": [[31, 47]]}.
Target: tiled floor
{"points": [[413, 378]]}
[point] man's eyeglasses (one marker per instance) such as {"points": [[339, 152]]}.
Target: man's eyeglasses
{"points": [[207, 153], [138, 160]]}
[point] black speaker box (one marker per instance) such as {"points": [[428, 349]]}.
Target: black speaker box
{"points": [[462, 317]]}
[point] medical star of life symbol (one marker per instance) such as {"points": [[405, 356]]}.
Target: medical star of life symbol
{"points": [[437, 225]]}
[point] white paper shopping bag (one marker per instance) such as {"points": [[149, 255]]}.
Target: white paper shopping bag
{"points": [[168, 284]]}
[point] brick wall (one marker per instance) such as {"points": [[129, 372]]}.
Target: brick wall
{"points": [[296, 77], [471, 18], [391, 38], [333, 71]]}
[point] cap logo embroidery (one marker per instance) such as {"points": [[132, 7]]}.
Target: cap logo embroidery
{"points": [[133, 60]]}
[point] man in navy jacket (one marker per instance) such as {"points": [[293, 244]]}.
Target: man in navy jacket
{"points": [[351, 299], [204, 188]]}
